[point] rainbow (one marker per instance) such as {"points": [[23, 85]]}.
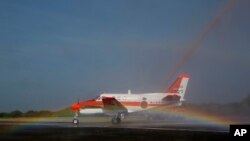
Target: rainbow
{"points": [[190, 114], [223, 11], [195, 115]]}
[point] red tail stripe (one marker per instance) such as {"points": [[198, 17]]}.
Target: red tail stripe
{"points": [[175, 86]]}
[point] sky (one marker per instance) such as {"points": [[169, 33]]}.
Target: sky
{"points": [[54, 52]]}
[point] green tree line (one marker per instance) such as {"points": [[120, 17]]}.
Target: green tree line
{"points": [[31, 113]]}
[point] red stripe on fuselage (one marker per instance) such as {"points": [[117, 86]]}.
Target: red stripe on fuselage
{"points": [[138, 104], [90, 103]]}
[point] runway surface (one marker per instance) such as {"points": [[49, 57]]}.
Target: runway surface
{"points": [[62, 131], [184, 126]]}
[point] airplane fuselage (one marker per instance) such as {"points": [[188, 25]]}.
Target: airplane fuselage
{"points": [[133, 102]]}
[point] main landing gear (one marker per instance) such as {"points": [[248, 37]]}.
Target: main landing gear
{"points": [[117, 119]]}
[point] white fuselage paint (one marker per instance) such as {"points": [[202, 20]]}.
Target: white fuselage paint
{"points": [[91, 110], [151, 99]]}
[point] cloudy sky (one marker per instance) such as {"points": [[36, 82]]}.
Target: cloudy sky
{"points": [[53, 52]]}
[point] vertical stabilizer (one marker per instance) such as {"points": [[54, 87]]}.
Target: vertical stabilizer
{"points": [[178, 88]]}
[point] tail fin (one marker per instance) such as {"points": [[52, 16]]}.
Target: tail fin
{"points": [[178, 88]]}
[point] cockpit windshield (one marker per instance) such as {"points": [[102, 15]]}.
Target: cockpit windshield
{"points": [[97, 98]]}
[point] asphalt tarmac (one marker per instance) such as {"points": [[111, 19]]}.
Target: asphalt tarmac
{"points": [[135, 131]]}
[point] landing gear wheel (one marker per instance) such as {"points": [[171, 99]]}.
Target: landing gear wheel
{"points": [[116, 120], [75, 121]]}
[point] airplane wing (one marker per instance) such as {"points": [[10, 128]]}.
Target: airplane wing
{"points": [[110, 104]]}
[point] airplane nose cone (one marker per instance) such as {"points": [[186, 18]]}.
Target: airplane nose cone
{"points": [[75, 107]]}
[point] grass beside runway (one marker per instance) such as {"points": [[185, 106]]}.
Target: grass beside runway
{"points": [[54, 119]]}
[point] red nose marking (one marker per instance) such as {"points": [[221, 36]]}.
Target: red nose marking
{"points": [[75, 107]]}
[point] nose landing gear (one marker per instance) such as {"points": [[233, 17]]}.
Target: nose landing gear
{"points": [[75, 120]]}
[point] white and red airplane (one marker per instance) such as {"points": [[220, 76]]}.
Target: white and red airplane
{"points": [[117, 105]]}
